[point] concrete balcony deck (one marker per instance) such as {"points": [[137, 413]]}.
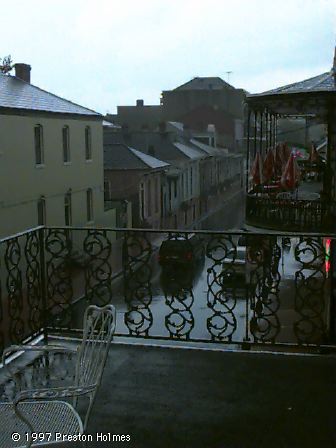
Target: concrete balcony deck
{"points": [[188, 398]]}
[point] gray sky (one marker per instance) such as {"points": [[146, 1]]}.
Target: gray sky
{"points": [[105, 53]]}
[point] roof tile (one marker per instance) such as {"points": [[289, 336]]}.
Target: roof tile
{"points": [[18, 94]]}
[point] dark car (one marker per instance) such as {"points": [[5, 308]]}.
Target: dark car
{"points": [[182, 251]]}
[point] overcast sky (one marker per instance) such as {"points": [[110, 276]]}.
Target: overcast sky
{"points": [[105, 53]]}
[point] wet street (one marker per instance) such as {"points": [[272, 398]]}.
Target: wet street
{"points": [[199, 305], [284, 300]]}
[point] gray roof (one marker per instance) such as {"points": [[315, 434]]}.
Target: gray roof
{"points": [[321, 83], [189, 151], [151, 161], [18, 94], [119, 156], [162, 145], [111, 125], [210, 150], [176, 125], [207, 83]]}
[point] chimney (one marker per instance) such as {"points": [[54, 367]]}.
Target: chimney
{"points": [[22, 71], [139, 103]]}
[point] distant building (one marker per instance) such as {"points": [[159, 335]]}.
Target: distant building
{"points": [[136, 177], [204, 101], [51, 158], [196, 173], [197, 104], [138, 117]]}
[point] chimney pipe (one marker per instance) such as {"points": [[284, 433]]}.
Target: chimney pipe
{"points": [[22, 71]]}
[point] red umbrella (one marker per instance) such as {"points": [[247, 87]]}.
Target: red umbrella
{"points": [[286, 152], [269, 166], [291, 174], [256, 171], [278, 160]]}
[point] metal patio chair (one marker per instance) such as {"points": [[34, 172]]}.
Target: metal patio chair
{"points": [[44, 410]]}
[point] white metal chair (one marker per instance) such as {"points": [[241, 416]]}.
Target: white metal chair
{"points": [[42, 411]]}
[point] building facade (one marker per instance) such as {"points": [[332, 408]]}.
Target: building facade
{"points": [[192, 184], [197, 104], [51, 159], [138, 178]]}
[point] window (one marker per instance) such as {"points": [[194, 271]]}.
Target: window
{"points": [[41, 211], [66, 144], [149, 198], [89, 205], [67, 209], [107, 190], [156, 193], [39, 152], [170, 195], [142, 201], [191, 180], [88, 148]]}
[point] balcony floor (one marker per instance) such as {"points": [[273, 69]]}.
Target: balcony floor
{"points": [[164, 397]]}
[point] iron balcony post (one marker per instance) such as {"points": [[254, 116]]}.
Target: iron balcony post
{"points": [[41, 238], [332, 308]]}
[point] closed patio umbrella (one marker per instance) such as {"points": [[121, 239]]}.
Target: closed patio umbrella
{"points": [[278, 168], [291, 174], [269, 166], [256, 170]]}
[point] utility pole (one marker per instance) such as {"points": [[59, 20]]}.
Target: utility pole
{"points": [[228, 75]]}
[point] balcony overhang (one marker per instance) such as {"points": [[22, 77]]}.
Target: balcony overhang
{"points": [[297, 104]]}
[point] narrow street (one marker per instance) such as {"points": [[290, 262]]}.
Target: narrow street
{"points": [[197, 305]]}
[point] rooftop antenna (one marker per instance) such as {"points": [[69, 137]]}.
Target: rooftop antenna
{"points": [[228, 75]]}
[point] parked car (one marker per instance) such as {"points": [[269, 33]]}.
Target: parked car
{"points": [[182, 251], [236, 269]]}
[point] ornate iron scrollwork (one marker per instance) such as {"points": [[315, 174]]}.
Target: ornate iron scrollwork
{"points": [[265, 253], [137, 252], [180, 321], [2, 336], [14, 290], [98, 272], [310, 289], [33, 279], [179, 294], [221, 300], [58, 274]]}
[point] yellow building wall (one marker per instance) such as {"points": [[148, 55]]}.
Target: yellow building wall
{"points": [[22, 182]]}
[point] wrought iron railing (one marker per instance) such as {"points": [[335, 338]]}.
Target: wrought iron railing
{"points": [[291, 215], [211, 287]]}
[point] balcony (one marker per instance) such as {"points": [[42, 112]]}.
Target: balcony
{"points": [[169, 380], [299, 215]]}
